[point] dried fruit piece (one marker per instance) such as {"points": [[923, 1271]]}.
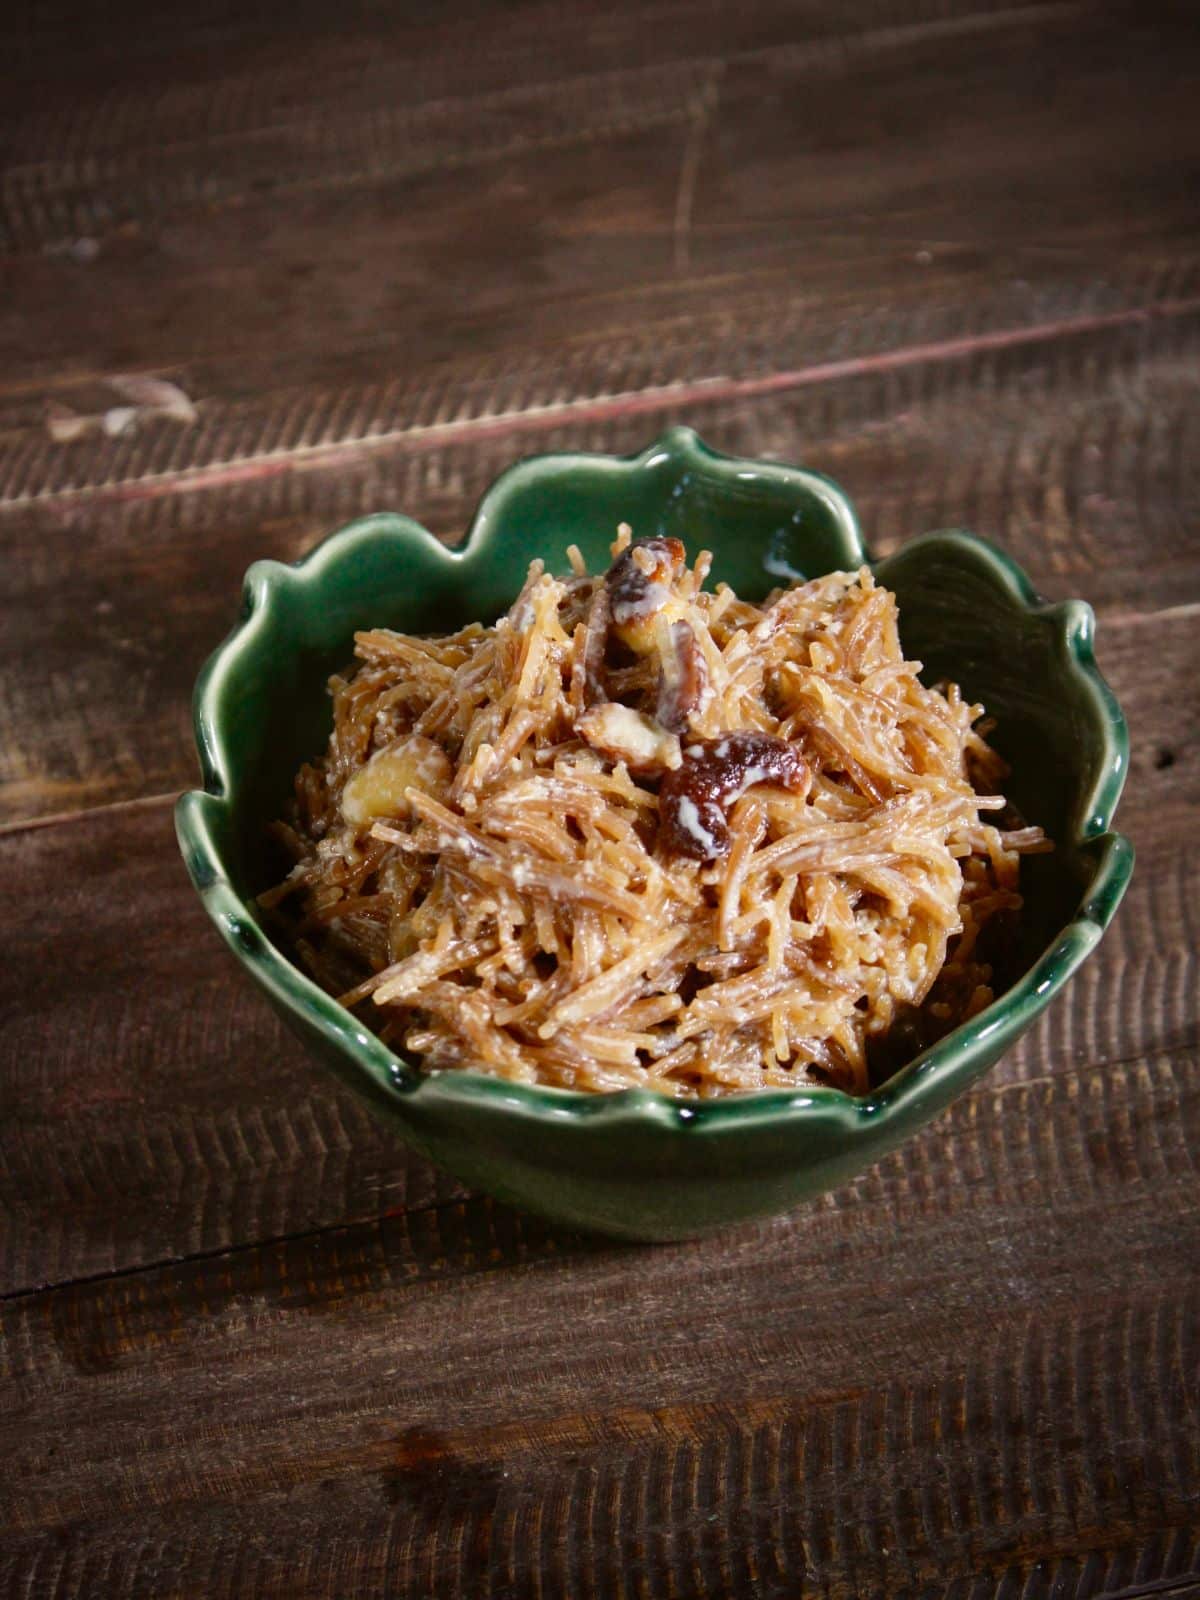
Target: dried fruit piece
{"points": [[683, 679], [640, 583], [587, 672], [694, 798]]}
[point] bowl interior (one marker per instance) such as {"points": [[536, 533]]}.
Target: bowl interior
{"points": [[274, 709], [965, 613]]}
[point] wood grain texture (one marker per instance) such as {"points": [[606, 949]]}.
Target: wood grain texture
{"points": [[946, 250], [1083, 467], [155, 1109], [344, 114], [879, 279], [159, 1110], [760, 345], [467, 1403], [800, 180]]}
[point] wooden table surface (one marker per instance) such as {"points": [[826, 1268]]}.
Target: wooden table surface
{"points": [[947, 250]]}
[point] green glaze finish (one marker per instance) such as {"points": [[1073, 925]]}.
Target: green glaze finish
{"points": [[634, 1164]]}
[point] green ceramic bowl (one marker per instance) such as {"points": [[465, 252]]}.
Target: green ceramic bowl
{"points": [[634, 1164]]}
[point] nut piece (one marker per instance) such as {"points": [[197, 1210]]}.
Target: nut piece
{"points": [[628, 736], [378, 789], [640, 584], [693, 800]]}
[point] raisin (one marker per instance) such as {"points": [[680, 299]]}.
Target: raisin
{"points": [[695, 798]]}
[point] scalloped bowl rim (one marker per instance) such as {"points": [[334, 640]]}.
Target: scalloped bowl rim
{"points": [[938, 1066]]}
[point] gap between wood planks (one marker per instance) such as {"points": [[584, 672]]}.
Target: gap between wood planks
{"points": [[601, 408]]}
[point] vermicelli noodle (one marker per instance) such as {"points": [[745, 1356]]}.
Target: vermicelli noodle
{"points": [[643, 833]]}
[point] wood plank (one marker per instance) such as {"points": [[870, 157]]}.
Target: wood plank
{"points": [[155, 1109], [92, 156], [941, 335], [461, 1402], [1088, 475], [149, 1098], [793, 178], [204, 88], [949, 365]]}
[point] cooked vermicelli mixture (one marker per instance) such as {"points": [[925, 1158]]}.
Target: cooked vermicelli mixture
{"points": [[643, 833]]}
